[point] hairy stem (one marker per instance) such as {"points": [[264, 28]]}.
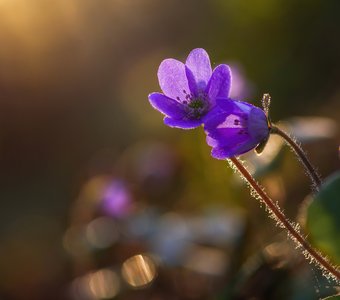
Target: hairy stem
{"points": [[293, 231], [301, 155]]}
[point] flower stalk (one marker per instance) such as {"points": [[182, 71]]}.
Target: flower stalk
{"points": [[314, 176], [292, 229]]}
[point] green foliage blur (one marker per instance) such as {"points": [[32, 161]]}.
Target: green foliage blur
{"points": [[74, 80], [322, 218]]}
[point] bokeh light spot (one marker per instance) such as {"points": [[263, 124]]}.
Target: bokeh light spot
{"points": [[101, 284], [139, 270], [102, 232], [116, 199], [104, 284]]}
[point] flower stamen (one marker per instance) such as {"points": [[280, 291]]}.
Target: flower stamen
{"points": [[196, 107]]}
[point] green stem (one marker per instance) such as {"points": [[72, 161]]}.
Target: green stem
{"points": [[293, 232]]}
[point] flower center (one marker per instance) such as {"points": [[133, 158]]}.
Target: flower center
{"points": [[197, 106]]}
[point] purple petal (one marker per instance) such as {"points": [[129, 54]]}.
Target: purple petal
{"points": [[217, 113], [173, 80], [220, 82], [219, 153], [231, 149], [167, 106], [212, 120], [198, 63], [180, 123], [229, 137], [221, 120], [211, 142], [234, 107], [223, 153], [191, 81], [258, 124]]}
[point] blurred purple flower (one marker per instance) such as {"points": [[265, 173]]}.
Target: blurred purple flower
{"points": [[190, 89], [117, 200], [242, 87], [236, 128]]}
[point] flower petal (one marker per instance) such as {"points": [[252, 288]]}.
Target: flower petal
{"points": [[218, 112], [220, 82], [198, 63], [180, 123], [232, 148], [167, 106], [258, 124], [211, 142], [229, 137], [220, 153], [232, 106], [191, 82], [236, 129], [172, 79], [223, 153], [221, 120], [213, 120]]}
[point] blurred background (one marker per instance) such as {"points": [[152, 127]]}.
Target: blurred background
{"points": [[100, 200]]}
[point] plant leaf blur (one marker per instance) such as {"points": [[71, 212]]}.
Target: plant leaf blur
{"points": [[322, 220], [100, 200]]}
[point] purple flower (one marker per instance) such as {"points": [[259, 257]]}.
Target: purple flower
{"points": [[195, 95], [117, 199], [236, 128], [190, 89]]}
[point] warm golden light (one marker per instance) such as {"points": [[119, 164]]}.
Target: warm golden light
{"points": [[104, 284], [207, 260], [139, 270]]}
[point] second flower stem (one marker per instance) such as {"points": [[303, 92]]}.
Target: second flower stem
{"points": [[301, 155]]}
